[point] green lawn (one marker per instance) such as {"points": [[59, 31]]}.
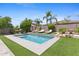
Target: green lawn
{"points": [[16, 48], [63, 47]]}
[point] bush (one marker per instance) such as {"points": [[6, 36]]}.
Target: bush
{"points": [[52, 27], [62, 30], [77, 30], [26, 25]]}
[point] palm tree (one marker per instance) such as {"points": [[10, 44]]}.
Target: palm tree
{"points": [[37, 21], [49, 17], [66, 19], [54, 17]]}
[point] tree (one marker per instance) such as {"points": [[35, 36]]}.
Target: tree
{"points": [[5, 22], [26, 25], [49, 17], [38, 21], [51, 27], [5, 25], [54, 17], [66, 19]]}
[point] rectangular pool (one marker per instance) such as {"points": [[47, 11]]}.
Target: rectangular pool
{"points": [[36, 38]]}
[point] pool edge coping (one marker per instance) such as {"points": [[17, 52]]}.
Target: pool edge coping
{"points": [[36, 48]]}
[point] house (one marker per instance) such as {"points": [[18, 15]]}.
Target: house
{"points": [[45, 27], [72, 25], [33, 27]]}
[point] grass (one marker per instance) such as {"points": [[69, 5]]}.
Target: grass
{"points": [[16, 48], [64, 47]]}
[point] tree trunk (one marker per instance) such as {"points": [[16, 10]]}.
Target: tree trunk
{"points": [[50, 21], [56, 21]]}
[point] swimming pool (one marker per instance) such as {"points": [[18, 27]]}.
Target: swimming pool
{"points": [[36, 38]]}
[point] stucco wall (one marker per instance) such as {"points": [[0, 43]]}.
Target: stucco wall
{"points": [[44, 27], [5, 31], [67, 26]]}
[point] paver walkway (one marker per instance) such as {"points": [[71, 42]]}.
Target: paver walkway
{"points": [[4, 50]]}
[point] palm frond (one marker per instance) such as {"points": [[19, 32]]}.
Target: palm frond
{"points": [[44, 17]]}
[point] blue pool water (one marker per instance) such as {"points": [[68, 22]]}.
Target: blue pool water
{"points": [[36, 38]]}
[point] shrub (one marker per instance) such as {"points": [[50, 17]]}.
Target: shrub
{"points": [[77, 29], [62, 30], [52, 27]]}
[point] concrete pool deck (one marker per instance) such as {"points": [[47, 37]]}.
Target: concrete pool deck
{"points": [[4, 50], [32, 46]]}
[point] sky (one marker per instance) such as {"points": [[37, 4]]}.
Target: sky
{"points": [[19, 11]]}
